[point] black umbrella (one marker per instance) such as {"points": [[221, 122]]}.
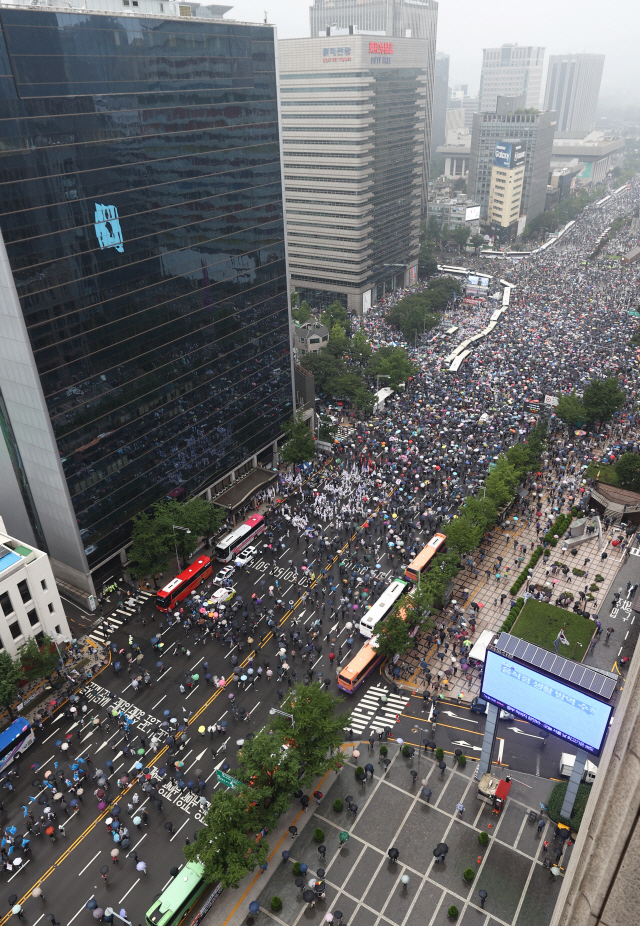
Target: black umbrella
{"points": [[393, 853], [458, 752], [362, 776], [174, 871], [91, 904], [320, 872], [299, 883], [348, 798], [319, 887], [12, 899], [442, 765], [426, 793], [441, 849], [308, 896], [36, 783]]}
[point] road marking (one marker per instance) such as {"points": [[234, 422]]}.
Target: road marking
{"points": [[530, 735], [457, 717], [163, 675], [21, 868], [138, 843], [122, 899], [89, 863], [159, 702], [181, 828], [83, 907], [466, 745]]}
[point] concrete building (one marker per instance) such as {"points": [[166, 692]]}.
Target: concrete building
{"points": [[30, 603], [456, 152], [402, 19], [563, 176], [461, 102], [149, 227], [595, 150], [440, 101], [310, 337], [354, 114], [511, 70], [455, 212], [573, 87], [505, 193], [511, 123]]}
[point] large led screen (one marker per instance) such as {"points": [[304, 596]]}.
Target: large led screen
{"points": [[571, 714]]}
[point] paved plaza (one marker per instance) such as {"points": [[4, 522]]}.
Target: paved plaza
{"points": [[366, 887]]}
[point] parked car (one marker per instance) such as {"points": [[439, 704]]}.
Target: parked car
{"points": [[246, 556]]}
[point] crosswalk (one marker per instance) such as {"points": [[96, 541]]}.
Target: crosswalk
{"points": [[113, 621], [372, 716]]}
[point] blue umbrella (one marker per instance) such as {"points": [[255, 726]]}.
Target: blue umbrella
{"points": [[190, 783], [91, 904], [154, 640], [167, 713], [162, 772], [225, 766], [138, 766], [159, 665], [254, 907]]}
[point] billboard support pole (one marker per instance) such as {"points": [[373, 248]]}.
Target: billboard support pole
{"points": [[574, 782], [488, 742]]}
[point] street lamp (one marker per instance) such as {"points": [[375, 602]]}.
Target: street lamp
{"points": [[109, 911], [174, 528], [274, 710]]}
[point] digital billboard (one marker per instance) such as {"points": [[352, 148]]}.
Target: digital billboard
{"points": [[472, 213], [509, 154], [574, 715]]}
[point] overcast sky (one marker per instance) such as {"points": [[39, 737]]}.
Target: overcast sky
{"points": [[466, 26]]}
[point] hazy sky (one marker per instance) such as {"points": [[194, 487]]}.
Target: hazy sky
{"points": [[466, 26]]}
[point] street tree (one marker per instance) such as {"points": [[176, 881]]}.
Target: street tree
{"points": [[270, 765], [463, 535], [336, 314], [225, 845], [476, 241], [39, 658], [302, 313], [359, 348], [570, 409], [338, 342], [150, 552], [317, 730], [627, 469], [155, 541], [394, 634], [445, 568], [300, 445], [461, 235], [11, 674], [427, 263], [602, 399], [392, 362]]}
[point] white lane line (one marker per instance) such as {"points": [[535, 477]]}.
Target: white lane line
{"points": [[181, 828], [197, 663], [253, 709], [192, 692], [39, 918], [122, 899], [163, 675], [138, 843], [158, 702], [83, 907], [90, 863], [22, 868]]}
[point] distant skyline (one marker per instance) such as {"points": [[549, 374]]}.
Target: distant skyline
{"points": [[465, 27]]}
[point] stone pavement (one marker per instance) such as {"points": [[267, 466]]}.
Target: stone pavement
{"points": [[487, 590], [362, 883]]}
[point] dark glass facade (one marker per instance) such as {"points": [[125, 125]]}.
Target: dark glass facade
{"points": [[141, 207]]}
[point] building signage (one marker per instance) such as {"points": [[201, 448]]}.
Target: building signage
{"points": [[336, 53], [107, 226], [472, 213], [381, 48], [509, 154]]}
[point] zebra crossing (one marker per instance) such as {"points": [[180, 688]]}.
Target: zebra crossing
{"points": [[103, 630], [372, 715]]}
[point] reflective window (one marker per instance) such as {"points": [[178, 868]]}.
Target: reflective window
{"points": [[142, 210]]}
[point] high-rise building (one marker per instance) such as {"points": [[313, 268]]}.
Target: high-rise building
{"points": [[511, 123], [505, 194], [511, 70], [573, 87], [353, 129], [403, 19], [440, 101], [145, 348]]}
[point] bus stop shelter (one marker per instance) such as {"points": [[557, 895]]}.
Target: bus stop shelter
{"points": [[239, 495]]}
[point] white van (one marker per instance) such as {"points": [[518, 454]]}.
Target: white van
{"points": [[479, 649], [566, 767]]}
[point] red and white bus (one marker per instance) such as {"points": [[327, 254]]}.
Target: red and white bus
{"points": [[230, 545], [184, 584]]}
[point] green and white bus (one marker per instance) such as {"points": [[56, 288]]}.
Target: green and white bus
{"points": [[178, 898]]}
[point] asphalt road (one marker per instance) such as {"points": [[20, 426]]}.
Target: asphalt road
{"points": [[70, 867]]}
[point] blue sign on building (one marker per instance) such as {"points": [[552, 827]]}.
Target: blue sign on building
{"points": [[107, 225]]}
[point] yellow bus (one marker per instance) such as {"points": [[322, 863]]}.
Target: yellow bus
{"points": [[354, 673], [423, 561]]}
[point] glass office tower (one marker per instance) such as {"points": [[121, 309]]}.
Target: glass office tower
{"points": [[145, 346]]}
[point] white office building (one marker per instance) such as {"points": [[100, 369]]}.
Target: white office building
{"points": [[30, 604], [573, 87], [511, 70]]}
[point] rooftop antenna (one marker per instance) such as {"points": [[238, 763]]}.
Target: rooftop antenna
{"points": [[265, 16]]}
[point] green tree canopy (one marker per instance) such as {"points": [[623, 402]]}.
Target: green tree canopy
{"points": [[225, 845], [154, 541], [271, 767], [392, 362], [477, 241], [338, 342], [336, 314], [300, 445], [461, 235], [393, 635], [318, 729], [570, 409], [627, 469], [602, 399], [39, 658], [301, 314], [427, 263], [11, 673], [359, 348]]}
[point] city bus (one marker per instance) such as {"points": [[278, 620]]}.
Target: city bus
{"points": [[362, 665], [15, 740], [184, 584], [422, 562], [230, 545], [453, 271], [178, 898], [382, 607]]}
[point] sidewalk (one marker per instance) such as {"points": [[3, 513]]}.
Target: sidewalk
{"points": [[486, 591]]}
